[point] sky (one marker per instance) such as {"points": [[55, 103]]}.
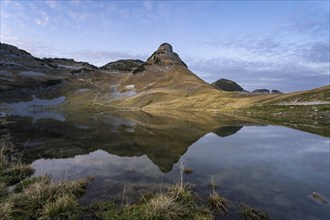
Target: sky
{"points": [[280, 45]]}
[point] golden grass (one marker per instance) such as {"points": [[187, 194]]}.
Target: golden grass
{"points": [[218, 202]]}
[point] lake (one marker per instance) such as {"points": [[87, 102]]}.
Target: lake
{"points": [[269, 167]]}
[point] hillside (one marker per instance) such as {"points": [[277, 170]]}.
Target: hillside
{"points": [[164, 82], [227, 85]]}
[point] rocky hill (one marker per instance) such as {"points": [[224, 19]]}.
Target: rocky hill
{"points": [[123, 65], [162, 83], [227, 85]]}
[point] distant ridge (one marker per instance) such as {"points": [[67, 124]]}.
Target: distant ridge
{"points": [[227, 85]]}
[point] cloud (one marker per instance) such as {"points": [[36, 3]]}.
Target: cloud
{"points": [[148, 5], [293, 56], [78, 16], [100, 58], [254, 74], [43, 20], [52, 4]]}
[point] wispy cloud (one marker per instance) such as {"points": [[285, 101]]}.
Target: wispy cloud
{"points": [[52, 4], [292, 56], [78, 16], [101, 58], [43, 20]]}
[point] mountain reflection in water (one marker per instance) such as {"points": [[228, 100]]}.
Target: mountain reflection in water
{"points": [[269, 167], [163, 139]]}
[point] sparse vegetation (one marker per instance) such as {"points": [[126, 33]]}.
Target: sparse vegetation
{"points": [[213, 185], [44, 198], [34, 197], [248, 213], [187, 170], [175, 202], [218, 202]]}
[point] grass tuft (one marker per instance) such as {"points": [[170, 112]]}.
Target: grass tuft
{"points": [[63, 207], [248, 213], [218, 202], [213, 185]]}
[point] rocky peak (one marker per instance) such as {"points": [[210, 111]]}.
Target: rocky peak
{"points": [[227, 85], [166, 47], [12, 50], [165, 56]]}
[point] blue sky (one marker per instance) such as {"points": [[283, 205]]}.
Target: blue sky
{"points": [[259, 44]]}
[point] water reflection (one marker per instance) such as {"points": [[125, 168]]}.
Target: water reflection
{"points": [[272, 168], [227, 131]]}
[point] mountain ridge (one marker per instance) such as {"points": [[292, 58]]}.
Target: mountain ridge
{"points": [[163, 82]]}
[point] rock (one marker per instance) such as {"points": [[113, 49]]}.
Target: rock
{"points": [[67, 64], [274, 91], [261, 91], [227, 85], [319, 198], [162, 60], [123, 65], [12, 50], [165, 56]]}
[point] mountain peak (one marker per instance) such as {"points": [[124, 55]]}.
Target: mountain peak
{"points": [[164, 56], [166, 47]]}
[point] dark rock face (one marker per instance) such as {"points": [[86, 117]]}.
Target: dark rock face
{"points": [[63, 63], [123, 65], [261, 91], [274, 91], [162, 60], [227, 85], [165, 56], [6, 48]]}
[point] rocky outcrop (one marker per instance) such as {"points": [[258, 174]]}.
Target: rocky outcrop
{"points": [[227, 85], [274, 91], [261, 91], [165, 56], [162, 59], [67, 64], [123, 65], [12, 50]]}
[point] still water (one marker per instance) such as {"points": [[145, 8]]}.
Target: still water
{"points": [[272, 168]]}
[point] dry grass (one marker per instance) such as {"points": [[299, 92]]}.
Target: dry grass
{"points": [[176, 202], [34, 197], [248, 213], [44, 199], [218, 202]]}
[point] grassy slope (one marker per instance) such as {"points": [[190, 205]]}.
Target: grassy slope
{"points": [[180, 89], [288, 110]]}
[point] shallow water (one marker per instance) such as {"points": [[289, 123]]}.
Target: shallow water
{"points": [[272, 168]]}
